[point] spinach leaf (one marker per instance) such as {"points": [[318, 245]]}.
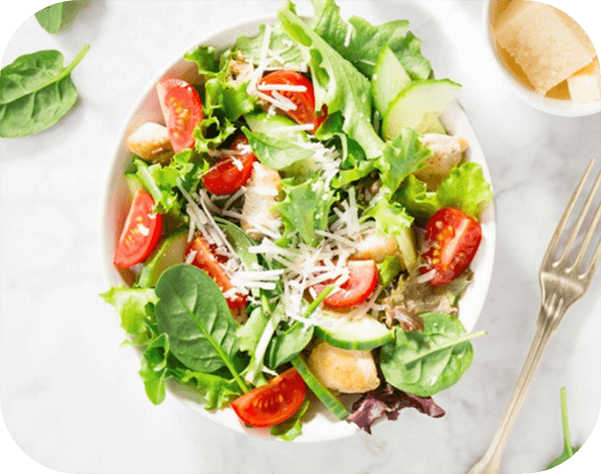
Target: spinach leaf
{"points": [[568, 450], [286, 346], [193, 312], [291, 428], [428, 362], [51, 17], [275, 153], [36, 91]]}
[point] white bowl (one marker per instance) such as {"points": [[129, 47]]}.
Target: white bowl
{"points": [[561, 107], [322, 425]]}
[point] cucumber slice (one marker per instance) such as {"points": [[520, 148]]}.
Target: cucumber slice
{"points": [[389, 78], [408, 109], [407, 248], [169, 252], [274, 125], [361, 334], [321, 392], [431, 124]]}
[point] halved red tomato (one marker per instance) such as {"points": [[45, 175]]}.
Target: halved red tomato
{"points": [[304, 100], [211, 263], [230, 173], [454, 238], [141, 232], [182, 110], [274, 403], [363, 278]]}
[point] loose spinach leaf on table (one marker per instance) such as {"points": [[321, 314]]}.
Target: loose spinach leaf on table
{"points": [[569, 450], [428, 362], [193, 312], [36, 91]]}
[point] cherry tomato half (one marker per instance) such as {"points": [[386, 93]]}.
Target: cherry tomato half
{"points": [[363, 278], [182, 110], [141, 232], [211, 263], [229, 174], [304, 101], [453, 238], [274, 403]]}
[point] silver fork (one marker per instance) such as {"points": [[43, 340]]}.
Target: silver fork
{"points": [[562, 284]]}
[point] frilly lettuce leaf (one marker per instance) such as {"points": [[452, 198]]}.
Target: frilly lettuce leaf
{"points": [[391, 218], [305, 208], [465, 188], [337, 83], [366, 41]]}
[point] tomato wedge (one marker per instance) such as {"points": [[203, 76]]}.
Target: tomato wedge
{"points": [[453, 238], [230, 173], [274, 403], [304, 101], [207, 259], [363, 278], [182, 110], [141, 232]]}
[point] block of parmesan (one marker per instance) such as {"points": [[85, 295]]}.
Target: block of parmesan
{"points": [[545, 42], [585, 85]]}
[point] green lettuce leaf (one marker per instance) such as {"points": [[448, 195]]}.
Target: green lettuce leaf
{"points": [[366, 40], [337, 83], [401, 157], [305, 208], [465, 188], [206, 59], [291, 428], [217, 391], [250, 48], [391, 218], [132, 306]]}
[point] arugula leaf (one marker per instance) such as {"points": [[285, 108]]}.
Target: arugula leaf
{"points": [[337, 84], [275, 153], [465, 188], [311, 195], [568, 450], [366, 40], [428, 362], [193, 312], [36, 91], [291, 428]]}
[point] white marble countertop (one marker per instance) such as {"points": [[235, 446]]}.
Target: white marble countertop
{"points": [[71, 396]]}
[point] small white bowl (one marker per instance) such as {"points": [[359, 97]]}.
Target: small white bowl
{"points": [[321, 424], [561, 107]]}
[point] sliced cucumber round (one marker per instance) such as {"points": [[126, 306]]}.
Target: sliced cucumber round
{"points": [[168, 253], [321, 392], [275, 126], [361, 334], [414, 102], [389, 78]]}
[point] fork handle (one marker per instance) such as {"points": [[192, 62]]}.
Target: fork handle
{"points": [[491, 462]]}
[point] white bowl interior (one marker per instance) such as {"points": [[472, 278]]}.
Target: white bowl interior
{"points": [[564, 108], [323, 425]]}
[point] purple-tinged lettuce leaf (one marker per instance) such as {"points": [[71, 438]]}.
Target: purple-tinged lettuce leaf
{"points": [[387, 401]]}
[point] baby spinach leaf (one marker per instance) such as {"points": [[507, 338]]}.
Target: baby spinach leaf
{"points": [[275, 153], [286, 346], [428, 362], [193, 312], [569, 450], [36, 91], [51, 17]]}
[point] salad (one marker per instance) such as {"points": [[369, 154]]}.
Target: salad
{"points": [[302, 222]]}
